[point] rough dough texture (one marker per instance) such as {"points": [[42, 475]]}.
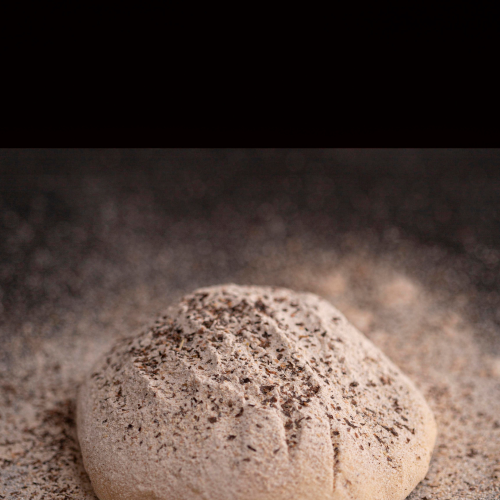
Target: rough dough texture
{"points": [[252, 393]]}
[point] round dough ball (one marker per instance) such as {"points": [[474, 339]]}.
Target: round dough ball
{"points": [[252, 393]]}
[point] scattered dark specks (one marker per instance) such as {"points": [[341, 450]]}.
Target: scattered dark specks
{"points": [[391, 430], [251, 447], [212, 420], [260, 306], [350, 424], [267, 388], [231, 437]]}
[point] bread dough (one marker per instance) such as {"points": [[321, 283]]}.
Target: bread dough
{"points": [[252, 393]]}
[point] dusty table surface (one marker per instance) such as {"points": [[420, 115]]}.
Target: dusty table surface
{"points": [[92, 255]]}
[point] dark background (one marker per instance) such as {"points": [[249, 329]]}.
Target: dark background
{"points": [[55, 214]]}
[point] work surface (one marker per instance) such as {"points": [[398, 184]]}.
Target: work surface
{"points": [[404, 243]]}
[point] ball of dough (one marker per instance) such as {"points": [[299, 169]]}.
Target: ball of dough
{"points": [[252, 393]]}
